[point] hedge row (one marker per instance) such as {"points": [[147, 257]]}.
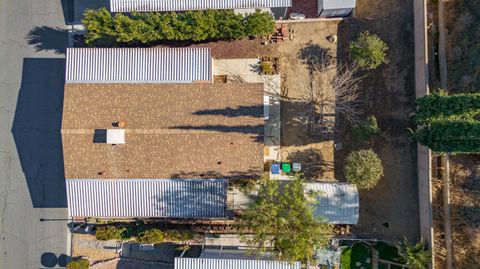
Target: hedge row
{"points": [[451, 136], [439, 106], [150, 236], [148, 27]]}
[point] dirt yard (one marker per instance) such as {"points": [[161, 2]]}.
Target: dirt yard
{"points": [[465, 206], [298, 144], [88, 247], [463, 53], [390, 210]]}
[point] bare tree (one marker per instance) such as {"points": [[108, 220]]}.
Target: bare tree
{"points": [[331, 90]]}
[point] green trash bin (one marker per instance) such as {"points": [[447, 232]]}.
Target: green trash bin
{"points": [[286, 167]]}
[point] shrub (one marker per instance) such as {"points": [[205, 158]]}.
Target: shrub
{"points": [[363, 168], [147, 27], [367, 129], [266, 67], [151, 236], [176, 235], [417, 256], [78, 264], [110, 232], [368, 51]]}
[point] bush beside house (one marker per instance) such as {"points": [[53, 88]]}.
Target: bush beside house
{"points": [[110, 233], [78, 264], [148, 27]]}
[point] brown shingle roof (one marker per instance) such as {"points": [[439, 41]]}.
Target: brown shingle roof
{"points": [[172, 130]]}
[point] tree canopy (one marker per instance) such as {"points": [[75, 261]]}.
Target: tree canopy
{"points": [[147, 27], [368, 51], [449, 122], [282, 217], [363, 168]]}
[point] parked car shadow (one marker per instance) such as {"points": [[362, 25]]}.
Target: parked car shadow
{"points": [[36, 130]]}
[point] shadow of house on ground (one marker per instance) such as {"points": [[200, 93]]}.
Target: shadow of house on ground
{"points": [[48, 38], [36, 130]]}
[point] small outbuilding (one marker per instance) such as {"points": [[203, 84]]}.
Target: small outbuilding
{"points": [[335, 8]]}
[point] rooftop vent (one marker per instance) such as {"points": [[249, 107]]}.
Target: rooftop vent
{"points": [[115, 136]]}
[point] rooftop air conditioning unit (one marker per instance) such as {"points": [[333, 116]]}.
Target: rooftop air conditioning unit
{"points": [[115, 136]]}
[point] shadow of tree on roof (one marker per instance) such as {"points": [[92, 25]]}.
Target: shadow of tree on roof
{"points": [[256, 131], [255, 111], [231, 175], [48, 38]]}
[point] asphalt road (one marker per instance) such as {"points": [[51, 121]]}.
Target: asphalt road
{"points": [[32, 188]]}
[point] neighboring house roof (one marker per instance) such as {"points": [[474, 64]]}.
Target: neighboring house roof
{"points": [[149, 198], [197, 263], [338, 203], [179, 5], [138, 65], [206, 130], [338, 4], [221, 252]]}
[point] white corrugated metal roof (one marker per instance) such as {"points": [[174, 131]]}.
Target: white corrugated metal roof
{"points": [[338, 4], [138, 65], [148, 198], [337, 202], [178, 5], [197, 263]]}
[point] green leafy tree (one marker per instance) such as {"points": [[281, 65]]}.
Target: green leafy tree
{"points": [[231, 26], [147, 27], [100, 26], [259, 24], [366, 129], [282, 218], [417, 256], [368, 51], [363, 168], [78, 263]]}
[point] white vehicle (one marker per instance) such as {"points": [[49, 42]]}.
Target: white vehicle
{"points": [[297, 16]]}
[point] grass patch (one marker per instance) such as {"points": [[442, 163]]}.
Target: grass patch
{"points": [[359, 255]]}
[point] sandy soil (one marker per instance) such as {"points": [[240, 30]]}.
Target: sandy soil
{"points": [[390, 210], [88, 247]]}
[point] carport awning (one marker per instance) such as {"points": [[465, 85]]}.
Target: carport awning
{"points": [[338, 203], [146, 198], [180, 5]]}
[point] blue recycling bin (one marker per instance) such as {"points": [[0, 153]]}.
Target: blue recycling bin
{"points": [[275, 169]]}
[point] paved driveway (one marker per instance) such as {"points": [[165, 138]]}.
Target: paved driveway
{"points": [[32, 189]]}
